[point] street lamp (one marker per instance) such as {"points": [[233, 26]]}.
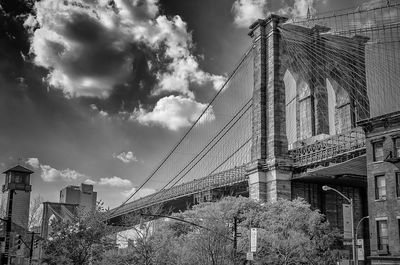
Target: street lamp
{"points": [[350, 200]]}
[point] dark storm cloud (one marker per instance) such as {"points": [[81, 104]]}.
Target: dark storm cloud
{"points": [[84, 56], [35, 120], [120, 53], [99, 52], [97, 40], [135, 89]]}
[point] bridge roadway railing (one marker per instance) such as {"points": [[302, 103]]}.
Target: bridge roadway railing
{"points": [[341, 146], [217, 180]]}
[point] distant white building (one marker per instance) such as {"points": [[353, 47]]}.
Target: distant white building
{"points": [[73, 199], [83, 195]]}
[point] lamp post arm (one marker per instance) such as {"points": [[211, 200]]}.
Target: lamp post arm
{"points": [[341, 194], [359, 222]]}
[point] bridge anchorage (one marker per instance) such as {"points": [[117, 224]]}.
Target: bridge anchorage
{"points": [[285, 122]]}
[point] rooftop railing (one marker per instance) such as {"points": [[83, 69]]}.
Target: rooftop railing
{"points": [[329, 148]]}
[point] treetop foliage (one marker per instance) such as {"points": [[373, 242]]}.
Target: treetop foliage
{"points": [[289, 232]]}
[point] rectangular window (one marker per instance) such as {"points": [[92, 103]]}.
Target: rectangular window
{"points": [[382, 234], [380, 187], [398, 225], [398, 184], [18, 179], [397, 147], [378, 151]]}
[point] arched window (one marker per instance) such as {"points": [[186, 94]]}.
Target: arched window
{"points": [[305, 110], [339, 108], [290, 102]]}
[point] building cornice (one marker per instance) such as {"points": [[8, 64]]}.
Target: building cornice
{"points": [[383, 121]]}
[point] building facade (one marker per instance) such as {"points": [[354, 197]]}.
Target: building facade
{"points": [[83, 195], [294, 107], [17, 180], [383, 165], [16, 193]]}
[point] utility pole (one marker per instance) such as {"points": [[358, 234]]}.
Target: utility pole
{"points": [[32, 246], [235, 236]]}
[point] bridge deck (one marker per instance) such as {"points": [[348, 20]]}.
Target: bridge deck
{"points": [[218, 180], [337, 148]]}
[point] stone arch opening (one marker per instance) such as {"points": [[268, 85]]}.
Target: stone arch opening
{"points": [[340, 105], [290, 81]]}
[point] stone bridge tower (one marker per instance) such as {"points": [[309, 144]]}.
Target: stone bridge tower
{"points": [[270, 171], [284, 118]]}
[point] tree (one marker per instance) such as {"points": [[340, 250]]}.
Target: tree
{"points": [[79, 242], [136, 234], [291, 232], [214, 245], [35, 212]]}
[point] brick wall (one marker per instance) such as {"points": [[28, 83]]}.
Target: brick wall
{"points": [[383, 208]]}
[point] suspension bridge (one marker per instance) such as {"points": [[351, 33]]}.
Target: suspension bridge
{"points": [[286, 118]]}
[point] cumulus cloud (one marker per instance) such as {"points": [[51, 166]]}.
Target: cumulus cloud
{"points": [[33, 162], [247, 11], [173, 113], [300, 8], [142, 192], [126, 157], [87, 45], [115, 182], [77, 43], [90, 182], [50, 174]]}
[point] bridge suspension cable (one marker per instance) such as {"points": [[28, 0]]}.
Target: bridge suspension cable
{"points": [[369, 73], [218, 140], [363, 71]]}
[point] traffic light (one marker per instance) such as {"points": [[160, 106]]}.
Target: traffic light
{"points": [[18, 240]]}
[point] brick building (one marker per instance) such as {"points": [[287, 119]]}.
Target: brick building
{"points": [[16, 193], [383, 164]]}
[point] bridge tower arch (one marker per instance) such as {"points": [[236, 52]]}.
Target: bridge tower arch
{"points": [[320, 84]]}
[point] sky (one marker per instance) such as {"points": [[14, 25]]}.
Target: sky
{"points": [[98, 91]]}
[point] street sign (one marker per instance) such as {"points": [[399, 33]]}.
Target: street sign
{"points": [[347, 243], [253, 239], [360, 249], [347, 221], [250, 256]]}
